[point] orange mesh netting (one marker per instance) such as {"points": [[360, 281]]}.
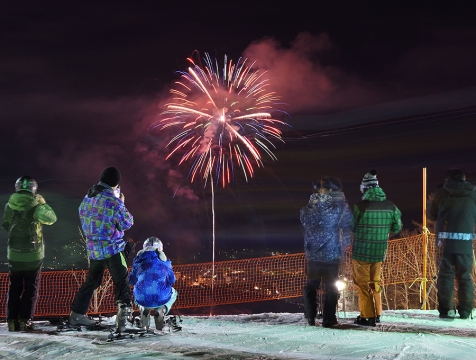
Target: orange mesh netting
{"points": [[237, 281], [404, 261]]}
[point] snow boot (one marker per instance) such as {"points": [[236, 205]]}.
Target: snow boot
{"points": [[123, 313], [365, 322], [159, 315], [465, 315], [25, 324], [80, 319], [327, 323], [12, 325], [172, 322], [144, 317], [449, 315]]}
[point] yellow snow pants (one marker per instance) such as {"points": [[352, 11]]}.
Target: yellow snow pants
{"points": [[366, 277]]}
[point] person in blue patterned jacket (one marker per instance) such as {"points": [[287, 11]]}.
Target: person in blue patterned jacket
{"points": [[327, 221], [152, 277], [104, 218]]}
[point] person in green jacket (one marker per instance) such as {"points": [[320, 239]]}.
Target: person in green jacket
{"points": [[24, 215], [374, 218]]}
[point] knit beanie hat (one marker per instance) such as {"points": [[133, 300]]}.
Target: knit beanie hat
{"points": [[369, 180], [110, 176], [455, 174], [331, 183]]}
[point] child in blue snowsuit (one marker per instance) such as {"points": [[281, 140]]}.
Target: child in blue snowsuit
{"points": [[152, 277]]}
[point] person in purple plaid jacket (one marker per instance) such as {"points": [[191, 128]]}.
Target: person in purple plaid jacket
{"points": [[104, 218]]}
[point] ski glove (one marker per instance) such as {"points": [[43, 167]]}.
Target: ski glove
{"points": [[162, 255], [40, 199]]}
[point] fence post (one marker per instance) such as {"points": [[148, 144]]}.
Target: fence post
{"points": [[425, 239]]}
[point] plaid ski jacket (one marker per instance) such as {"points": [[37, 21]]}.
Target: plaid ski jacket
{"points": [[373, 219], [104, 218]]}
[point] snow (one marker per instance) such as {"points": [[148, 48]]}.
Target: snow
{"points": [[403, 334]]}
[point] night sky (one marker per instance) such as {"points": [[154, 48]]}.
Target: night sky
{"points": [[81, 81]]}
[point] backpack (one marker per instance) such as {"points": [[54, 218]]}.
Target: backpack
{"points": [[22, 233]]}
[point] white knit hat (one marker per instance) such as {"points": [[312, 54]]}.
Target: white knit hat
{"points": [[369, 180]]}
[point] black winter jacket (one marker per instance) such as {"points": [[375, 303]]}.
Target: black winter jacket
{"points": [[453, 207]]}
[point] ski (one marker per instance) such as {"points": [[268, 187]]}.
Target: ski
{"points": [[128, 334], [172, 325], [137, 333], [65, 326]]}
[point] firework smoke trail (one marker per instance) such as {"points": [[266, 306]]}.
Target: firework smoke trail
{"points": [[222, 120]]}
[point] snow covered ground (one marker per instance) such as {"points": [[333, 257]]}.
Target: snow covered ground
{"points": [[403, 335]]}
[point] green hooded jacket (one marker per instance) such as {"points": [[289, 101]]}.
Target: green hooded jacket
{"points": [[44, 214], [374, 219]]}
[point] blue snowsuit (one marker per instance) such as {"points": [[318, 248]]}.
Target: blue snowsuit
{"points": [[152, 279]]}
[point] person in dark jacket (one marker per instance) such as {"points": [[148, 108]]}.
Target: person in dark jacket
{"points": [[25, 258], [453, 207], [152, 277], [374, 218], [104, 218], [324, 220]]}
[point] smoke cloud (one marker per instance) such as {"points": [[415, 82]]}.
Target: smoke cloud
{"points": [[304, 83]]}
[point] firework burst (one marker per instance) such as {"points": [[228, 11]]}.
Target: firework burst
{"points": [[222, 119]]}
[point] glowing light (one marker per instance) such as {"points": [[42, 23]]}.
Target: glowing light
{"points": [[341, 284], [222, 120]]}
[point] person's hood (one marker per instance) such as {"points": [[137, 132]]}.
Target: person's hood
{"points": [[22, 201], [374, 194], [149, 253], [151, 249], [97, 189], [458, 188], [337, 196], [320, 201]]}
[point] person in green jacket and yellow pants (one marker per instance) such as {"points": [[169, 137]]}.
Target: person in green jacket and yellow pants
{"points": [[374, 218]]}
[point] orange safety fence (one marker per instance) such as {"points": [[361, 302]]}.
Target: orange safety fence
{"points": [[404, 260], [234, 281]]}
